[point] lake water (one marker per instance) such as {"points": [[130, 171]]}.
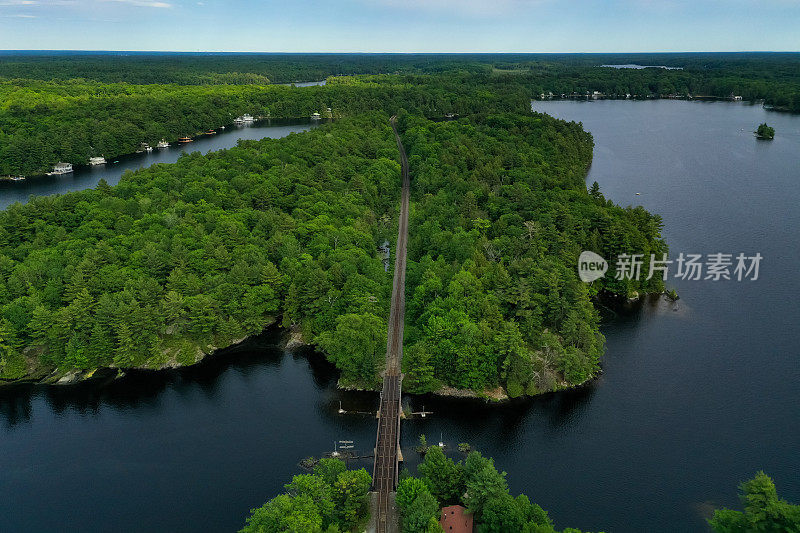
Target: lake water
{"points": [[695, 396], [87, 177], [640, 67]]}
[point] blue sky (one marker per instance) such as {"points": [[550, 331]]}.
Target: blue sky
{"points": [[402, 25]]}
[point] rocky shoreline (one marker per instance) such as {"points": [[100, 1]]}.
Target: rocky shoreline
{"points": [[291, 339], [61, 377]]}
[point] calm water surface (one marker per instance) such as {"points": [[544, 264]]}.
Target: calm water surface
{"points": [[87, 177], [695, 396]]}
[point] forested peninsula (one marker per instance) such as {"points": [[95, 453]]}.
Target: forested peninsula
{"points": [[179, 260]]}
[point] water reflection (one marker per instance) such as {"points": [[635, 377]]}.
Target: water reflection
{"points": [[142, 389], [15, 407]]}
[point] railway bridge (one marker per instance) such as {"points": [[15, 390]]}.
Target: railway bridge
{"points": [[387, 442]]}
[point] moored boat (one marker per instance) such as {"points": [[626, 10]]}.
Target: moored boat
{"points": [[61, 168], [163, 144], [184, 140], [97, 161]]}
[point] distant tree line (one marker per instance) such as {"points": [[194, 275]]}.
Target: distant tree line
{"points": [[72, 107], [42, 123]]}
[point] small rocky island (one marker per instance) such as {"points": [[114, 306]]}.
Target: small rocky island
{"points": [[765, 132]]}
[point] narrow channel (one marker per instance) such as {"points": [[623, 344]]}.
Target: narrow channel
{"points": [[87, 177]]}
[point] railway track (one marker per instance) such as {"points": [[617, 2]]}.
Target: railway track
{"points": [[387, 441]]}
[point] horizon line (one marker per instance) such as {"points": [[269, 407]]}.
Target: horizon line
{"points": [[82, 50]]}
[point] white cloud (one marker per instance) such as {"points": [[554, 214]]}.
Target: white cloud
{"points": [[38, 3], [462, 7], [142, 3]]}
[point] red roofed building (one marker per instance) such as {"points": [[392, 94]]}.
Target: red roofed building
{"points": [[455, 519]]}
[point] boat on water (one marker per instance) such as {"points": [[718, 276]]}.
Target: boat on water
{"points": [[144, 147], [247, 118], [184, 140], [315, 116], [61, 168], [97, 161], [163, 144], [17, 178], [211, 132]]}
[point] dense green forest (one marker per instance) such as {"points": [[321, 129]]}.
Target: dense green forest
{"points": [[500, 213], [230, 68], [201, 69], [763, 511], [71, 107], [178, 259], [474, 483], [334, 499], [42, 123]]}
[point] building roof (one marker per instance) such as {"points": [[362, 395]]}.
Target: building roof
{"points": [[455, 519]]}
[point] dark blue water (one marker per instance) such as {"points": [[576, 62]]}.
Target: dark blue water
{"points": [[87, 177], [695, 397]]}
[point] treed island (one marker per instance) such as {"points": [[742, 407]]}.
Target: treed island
{"points": [[178, 261]]}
